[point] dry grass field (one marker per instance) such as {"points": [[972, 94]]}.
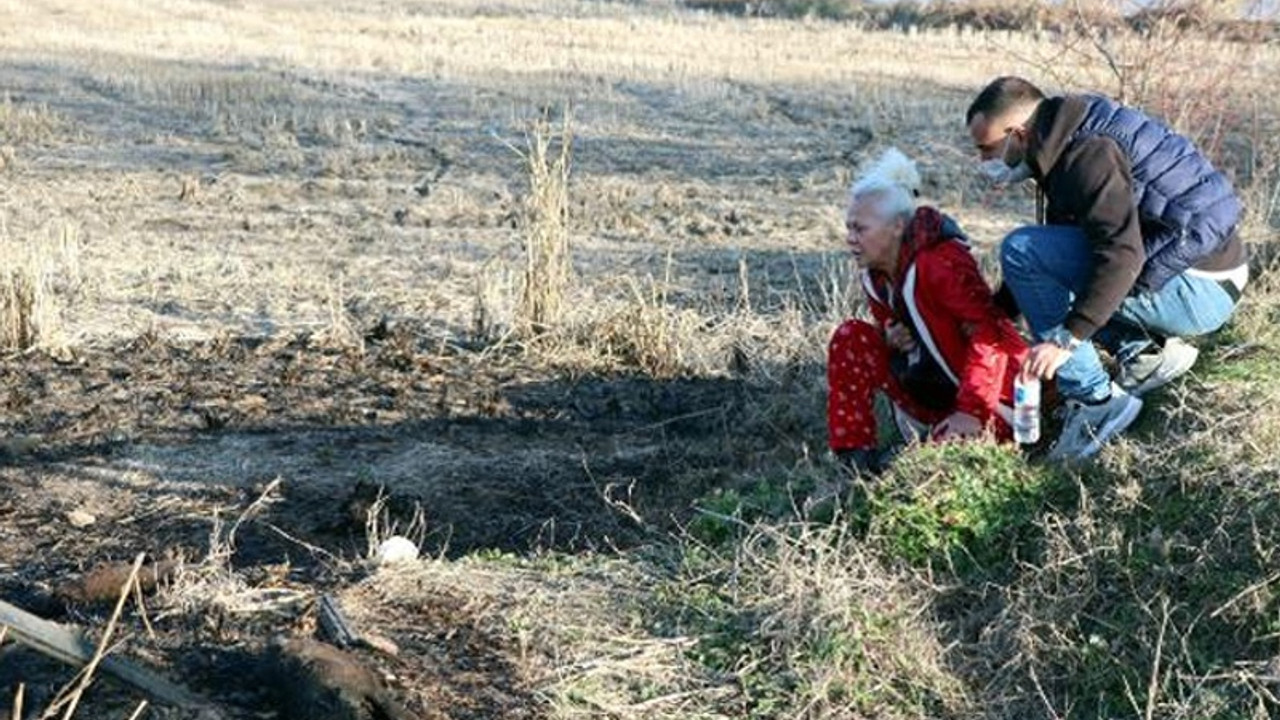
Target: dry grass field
{"points": [[265, 257]]}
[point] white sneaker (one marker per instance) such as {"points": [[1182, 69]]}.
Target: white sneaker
{"points": [[1087, 427], [1152, 370]]}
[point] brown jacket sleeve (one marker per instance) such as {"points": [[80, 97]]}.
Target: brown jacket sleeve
{"points": [[1095, 186]]}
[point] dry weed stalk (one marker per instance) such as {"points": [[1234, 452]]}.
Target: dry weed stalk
{"points": [[21, 294], [379, 525], [38, 272], [548, 266], [70, 698], [340, 331], [214, 583]]}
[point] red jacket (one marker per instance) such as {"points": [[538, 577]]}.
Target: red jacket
{"points": [[940, 294]]}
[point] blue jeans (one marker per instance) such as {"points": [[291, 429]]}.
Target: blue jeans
{"points": [[1046, 266]]}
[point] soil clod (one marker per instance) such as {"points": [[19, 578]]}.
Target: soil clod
{"points": [[320, 682]]}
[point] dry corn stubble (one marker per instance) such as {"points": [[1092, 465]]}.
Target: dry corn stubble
{"points": [[548, 263], [41, 277]]}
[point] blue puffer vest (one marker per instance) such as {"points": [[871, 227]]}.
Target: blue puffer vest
{"points": [[1187, 208]]}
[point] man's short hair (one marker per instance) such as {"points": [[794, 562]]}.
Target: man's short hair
{"points": [[1002, 95]]}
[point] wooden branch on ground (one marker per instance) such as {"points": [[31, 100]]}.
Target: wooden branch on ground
{"points": [[73, 648], [335, 626], [334, 623]]}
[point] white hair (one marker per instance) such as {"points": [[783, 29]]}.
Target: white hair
{"points": [[893, 180]]}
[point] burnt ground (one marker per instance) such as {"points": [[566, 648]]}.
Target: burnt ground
{"points": [[156, 440]]}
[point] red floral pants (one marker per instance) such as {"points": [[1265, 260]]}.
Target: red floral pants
{"points": [[857, 367]]}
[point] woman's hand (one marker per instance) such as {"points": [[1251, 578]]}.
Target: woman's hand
{"points": [[898, 337], [957, 426]]}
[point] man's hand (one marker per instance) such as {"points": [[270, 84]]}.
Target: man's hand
{"points": [[956, 426], [1044, 360], [898, 337]]}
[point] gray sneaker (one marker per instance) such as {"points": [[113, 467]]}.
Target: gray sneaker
{"points": [[1148, 371], [1087, 427]]}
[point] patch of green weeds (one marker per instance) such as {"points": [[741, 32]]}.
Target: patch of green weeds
{"points": [[966, 504], [723, 514]]}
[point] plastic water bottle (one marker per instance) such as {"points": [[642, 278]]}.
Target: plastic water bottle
{"points": [[1026, 410]]}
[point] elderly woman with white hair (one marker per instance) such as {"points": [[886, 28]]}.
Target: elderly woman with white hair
{"points": [[937, 344]]}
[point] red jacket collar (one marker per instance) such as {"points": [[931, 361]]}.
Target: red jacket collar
{"points": [[927, 228]]}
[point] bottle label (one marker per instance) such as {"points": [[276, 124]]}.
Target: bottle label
{"points": [[1026, 393]]}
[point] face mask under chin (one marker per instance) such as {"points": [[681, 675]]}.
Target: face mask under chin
{"points": [[1001, 174]]}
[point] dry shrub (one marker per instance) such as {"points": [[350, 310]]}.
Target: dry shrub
{"points": [[24, 123], [834, 631], [1193, 63], [574, 630], [645, 334], [547, 264], [40, 275], [1171, 64], [213, 586], [634, 331], [653, 325], [643, 330]]}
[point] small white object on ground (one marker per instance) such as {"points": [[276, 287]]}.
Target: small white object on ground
{"points": [[80, 519], [397, 548]]}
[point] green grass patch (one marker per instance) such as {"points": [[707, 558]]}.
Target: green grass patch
{"points": [[726, 513], [968, 505]]}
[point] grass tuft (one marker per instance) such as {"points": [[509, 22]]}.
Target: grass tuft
{"points": [[42, 275], [812, 624], [548, 267], [27, 124]]}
